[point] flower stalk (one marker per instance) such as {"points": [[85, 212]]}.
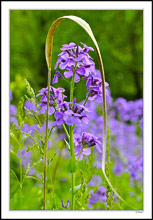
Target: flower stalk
{"points": [[71, 145], [21, 169], [46, 141]]}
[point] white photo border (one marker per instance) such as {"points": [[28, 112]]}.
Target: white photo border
{"points": [[146, 6]]}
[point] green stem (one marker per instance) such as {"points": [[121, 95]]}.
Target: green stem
{"points": [[54, 206], [80, 153], [73, 174], [20, 170], [71, 142], [86, 99], [45, 150], [66, 131]]}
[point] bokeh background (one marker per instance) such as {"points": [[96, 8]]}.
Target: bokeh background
{"points": [[119, 34]]}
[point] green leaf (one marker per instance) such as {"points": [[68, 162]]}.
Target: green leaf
{"points": [[36, 163], [12, 135], [30, 90], [34, 178], [12, 171], [20, 111], [27, 170], [72, 167], [67, 145], [76, 188]]}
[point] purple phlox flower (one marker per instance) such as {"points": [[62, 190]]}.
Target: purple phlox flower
{"points": [[131, 193], [78, 72], [98, 196], [56, 76], [86, 48], [63, 179], [119, 168], [32, 171], [65, 206], [25, 156], [14, 120], [71, 113], [68, 46], [83, 144], [96, 180], [28, 129], [74, 56], [94, 84], [56, 98], [59, 118], [13, 110], [11, 95], [30, 106]]}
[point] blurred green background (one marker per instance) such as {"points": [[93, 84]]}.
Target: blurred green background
{"points": [[119, 34]]}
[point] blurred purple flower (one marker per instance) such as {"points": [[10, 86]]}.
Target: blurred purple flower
{"points": [[25, 156], [13, 110], [95, 181], [65, 206], [11, 95], [98, 197], [30, 106]]}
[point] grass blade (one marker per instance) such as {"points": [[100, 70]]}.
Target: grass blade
{"points": [[48, 54]]}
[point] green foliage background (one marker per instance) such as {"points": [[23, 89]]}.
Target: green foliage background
{"points": [[119, 34]]}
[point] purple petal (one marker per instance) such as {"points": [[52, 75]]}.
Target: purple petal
{"points": [[98, 148], [69, 112], [80, 158], [81, 71], [58, 115], [56, 65], [76, 120], [60, 122], [43, 109], [51, 110], [86, 151], [68, 74], [76, 78], [85, 120], [70, 120], [55, 79]]}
